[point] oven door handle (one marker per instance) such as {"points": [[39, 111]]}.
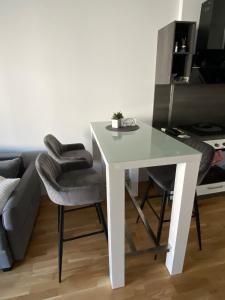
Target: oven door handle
{"points": [[215, 187]]}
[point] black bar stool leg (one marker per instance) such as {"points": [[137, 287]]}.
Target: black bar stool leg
{"points": [[161, 218], [103, 222], [60, 240], [197, 220], [98, 214], [144, 199], [58, 207]]}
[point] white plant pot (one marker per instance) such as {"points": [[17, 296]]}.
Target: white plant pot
{"points": [[116, 123]]}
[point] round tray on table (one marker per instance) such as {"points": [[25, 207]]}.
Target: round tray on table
{"points": [[123, 129]]}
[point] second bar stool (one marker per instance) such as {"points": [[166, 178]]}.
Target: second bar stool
{"points": [[68, 154], [164, 177]]}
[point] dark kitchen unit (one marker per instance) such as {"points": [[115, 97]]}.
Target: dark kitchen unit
{"points": [[211, 32], [190, 86]]}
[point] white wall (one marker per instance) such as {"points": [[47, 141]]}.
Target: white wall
{"points": [[191, 10], [66, 63]]}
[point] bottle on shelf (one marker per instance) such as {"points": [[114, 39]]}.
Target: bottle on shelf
{"points": [[176, 47], [183, 45]]}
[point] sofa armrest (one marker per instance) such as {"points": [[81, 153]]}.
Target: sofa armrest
{"points": [[6, 259], [29, 181], [7, 155], [20, 212]]}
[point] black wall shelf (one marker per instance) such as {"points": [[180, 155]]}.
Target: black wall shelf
{"points": [[174, 52]]}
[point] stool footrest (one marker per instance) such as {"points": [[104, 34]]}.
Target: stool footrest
{"points": [[157, 249], [82, 235]]}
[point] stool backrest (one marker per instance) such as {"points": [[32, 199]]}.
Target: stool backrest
{"points": [[207, 156], [48, 170], [53, 145]]}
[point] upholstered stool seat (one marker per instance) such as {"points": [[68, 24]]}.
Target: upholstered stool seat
{"points": [[80, 187], [80, 154], [163, 176]]}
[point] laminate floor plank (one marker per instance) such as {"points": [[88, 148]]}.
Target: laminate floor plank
{"points": [[85, 261]]}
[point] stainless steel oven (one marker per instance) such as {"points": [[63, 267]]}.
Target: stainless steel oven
{"points": [[214, 182], [214, 135]]}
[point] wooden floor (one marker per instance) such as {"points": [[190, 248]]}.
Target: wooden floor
{"points": [[85, 261]]}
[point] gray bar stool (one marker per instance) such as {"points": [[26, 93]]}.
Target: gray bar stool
{"points": [[70, 188], [164, 177], [68, 153]]}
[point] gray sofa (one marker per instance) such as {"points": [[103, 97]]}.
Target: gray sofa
{"points": [[19, 214]]}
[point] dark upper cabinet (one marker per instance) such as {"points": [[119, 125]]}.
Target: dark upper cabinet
{"points": [[211, 32], [174, 52]]}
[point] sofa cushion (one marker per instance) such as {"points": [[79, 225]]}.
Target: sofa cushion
{"points": [[20, 212], [10, 168], [7, 186]]}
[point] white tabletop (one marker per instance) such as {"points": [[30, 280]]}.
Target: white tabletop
{"points": [[146, 143]]}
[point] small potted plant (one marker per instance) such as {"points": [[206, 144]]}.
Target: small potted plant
{"points": [[116, 120]]}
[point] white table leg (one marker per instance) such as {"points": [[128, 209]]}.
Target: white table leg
{"points": [[183, 199], [133, 181], [97, 157], [115, 180]]}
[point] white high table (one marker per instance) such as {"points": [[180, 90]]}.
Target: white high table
{"points": [[137, 149]]}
